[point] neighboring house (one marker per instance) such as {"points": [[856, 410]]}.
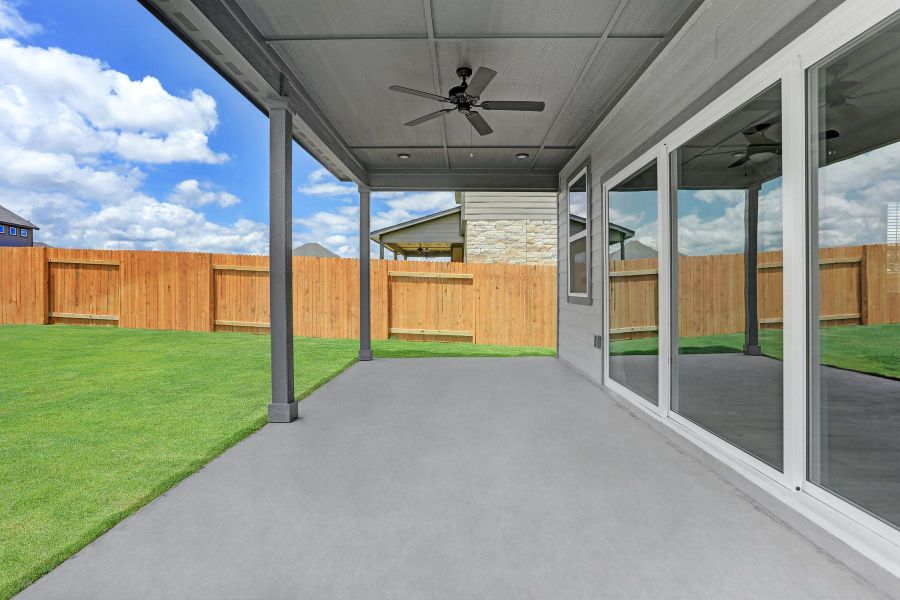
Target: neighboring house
{"points": [[314, 249], [14, 230], [632, 249], [486, 227]]}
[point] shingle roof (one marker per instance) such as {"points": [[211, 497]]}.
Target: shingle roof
{"points": [[10, 218], [313, 249]]}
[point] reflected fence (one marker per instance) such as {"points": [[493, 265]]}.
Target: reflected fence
{"points": [[859, 285]]}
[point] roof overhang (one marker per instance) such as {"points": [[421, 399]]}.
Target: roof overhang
{"points": [[334, 59]]}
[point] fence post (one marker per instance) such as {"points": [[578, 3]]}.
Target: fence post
{"points": [[45, 287]]}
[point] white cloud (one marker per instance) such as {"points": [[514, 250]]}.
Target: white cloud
{"points": [[72, 132], [135, 221], [12, 22], [338, 229], [55, 101], [191, 192]]}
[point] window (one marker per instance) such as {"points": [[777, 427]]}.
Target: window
{"points": [[728, 233], [23, 232], [854, 428], [2, 229], [12, 231], [579, 238], [633, 251]]}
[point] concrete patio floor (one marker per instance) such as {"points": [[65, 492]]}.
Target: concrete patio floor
{"points": [[465, 478]]}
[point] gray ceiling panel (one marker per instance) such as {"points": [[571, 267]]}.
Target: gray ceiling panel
{"points": [[386, 158], [618, 60], [655, 18], [349, 80], [527, 69], [507, 17], [553, 158], [280, 18], [489, 158]]}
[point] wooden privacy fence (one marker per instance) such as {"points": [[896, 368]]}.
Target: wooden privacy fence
{"points": [[482, 303], [858, 285]]}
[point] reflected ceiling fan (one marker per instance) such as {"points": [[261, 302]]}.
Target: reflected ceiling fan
{"points": [[761, 148], [467, 96]]}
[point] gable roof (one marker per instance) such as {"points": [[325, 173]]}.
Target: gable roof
{"points": [[9, 217], [376, 235], [313, 249]]}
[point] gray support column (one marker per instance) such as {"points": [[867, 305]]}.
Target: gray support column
{"points": [[365, 301], [381, 251], [622, 248], [283, 408], [751, 274]]}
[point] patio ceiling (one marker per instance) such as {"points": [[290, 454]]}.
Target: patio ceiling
{"points": [[334, 60]]}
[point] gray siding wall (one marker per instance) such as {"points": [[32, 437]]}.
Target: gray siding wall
{"points": [[16, 240], [505, 206], [723, 42], [445, 229]]}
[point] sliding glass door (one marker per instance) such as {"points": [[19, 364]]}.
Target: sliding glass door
{"points": [[728, 236], [855, 397], [633, 283]]}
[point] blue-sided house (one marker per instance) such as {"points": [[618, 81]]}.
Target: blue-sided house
{"points": [[14, 230]]}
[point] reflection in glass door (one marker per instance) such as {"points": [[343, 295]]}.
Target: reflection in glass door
{"points": [[855, 404], [633, 284], [728, 232]]}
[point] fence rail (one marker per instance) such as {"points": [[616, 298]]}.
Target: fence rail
{"points": [[485, 303], [858, 285]]}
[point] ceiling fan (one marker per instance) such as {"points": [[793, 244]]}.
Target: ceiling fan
{"points": [[466, 96]]}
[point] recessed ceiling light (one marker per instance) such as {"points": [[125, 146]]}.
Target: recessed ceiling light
{"points": [[522, 155], [404, 155]]}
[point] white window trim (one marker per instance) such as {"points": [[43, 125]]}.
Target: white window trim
{"points": [[23, 232], [579, 297], [13, 231], [2, 228], [867, 534]]}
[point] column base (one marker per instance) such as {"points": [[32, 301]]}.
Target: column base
{"points": [[283, 412], [365, 354], [752, 350]]}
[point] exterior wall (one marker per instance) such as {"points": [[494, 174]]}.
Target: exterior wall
{"points": [[445, 229], [721, 43], [16, 240], [501, 206], [530, 241]]}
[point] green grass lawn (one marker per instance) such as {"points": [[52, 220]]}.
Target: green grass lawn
{"points": [[873, 349], [96, 422]]}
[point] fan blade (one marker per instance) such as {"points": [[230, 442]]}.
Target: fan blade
{"points": [[429, 117], [480, 80], [874, 93], [406, 90], [479, 123], [513, 105], [739, 162]]}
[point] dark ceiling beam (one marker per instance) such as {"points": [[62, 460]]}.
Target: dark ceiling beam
{"points": [[462, 37], [464, 180], [465, 147]]}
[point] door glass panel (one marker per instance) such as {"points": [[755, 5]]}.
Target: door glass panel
{"points": [[728, 232], [855, 405], [633, 284]]}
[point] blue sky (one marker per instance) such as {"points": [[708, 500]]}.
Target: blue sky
{"points": [[158, 151]]}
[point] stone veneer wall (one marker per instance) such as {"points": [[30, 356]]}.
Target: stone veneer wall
{"points": [[511, 241]]}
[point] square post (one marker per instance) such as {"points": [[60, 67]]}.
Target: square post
{"points": [[283, 408], [751, 275], [365, 302]]}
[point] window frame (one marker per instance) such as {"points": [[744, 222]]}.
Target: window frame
{"points": [[23, 232], [2, 228], [583, 170], [659, 154], [13, 230]]}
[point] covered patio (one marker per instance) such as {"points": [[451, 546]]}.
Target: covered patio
{"points": [[510, 478]]}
